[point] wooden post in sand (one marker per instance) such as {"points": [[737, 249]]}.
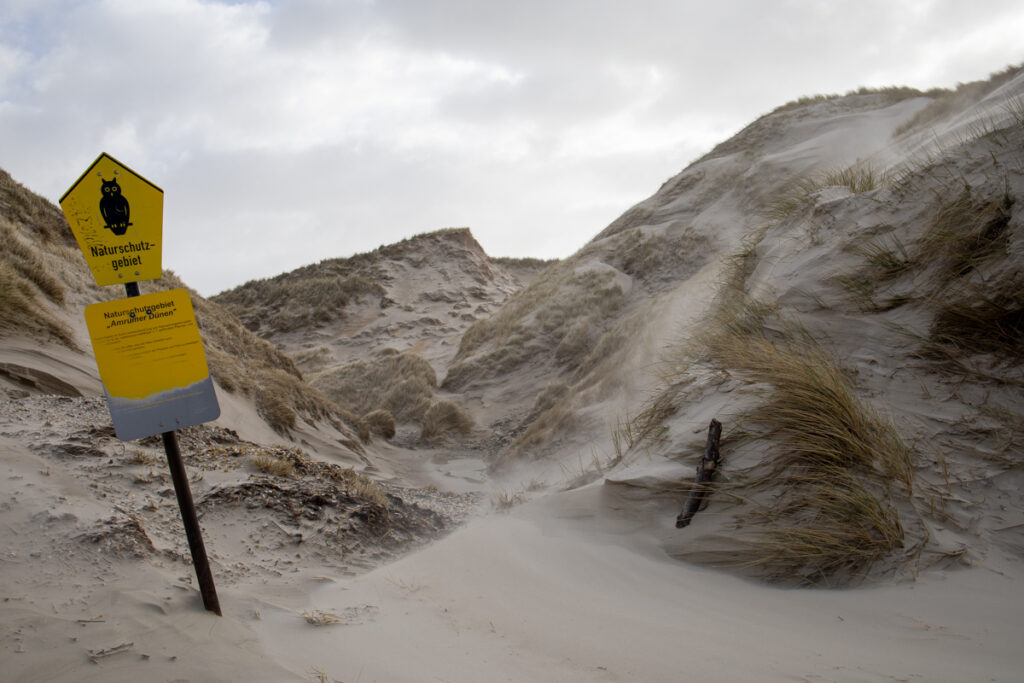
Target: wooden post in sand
{"points": [[188, 509], [705, 472]]}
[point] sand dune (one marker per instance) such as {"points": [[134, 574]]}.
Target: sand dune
{"points": [[873, 240]]}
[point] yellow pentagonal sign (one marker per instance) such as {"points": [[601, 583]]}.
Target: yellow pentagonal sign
{"points": [[117, 217]]}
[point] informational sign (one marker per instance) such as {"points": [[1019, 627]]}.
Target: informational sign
{"points": [[117, 218], [151, 361]]}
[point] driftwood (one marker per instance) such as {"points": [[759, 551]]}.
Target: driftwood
{"points": [[705, 473]]}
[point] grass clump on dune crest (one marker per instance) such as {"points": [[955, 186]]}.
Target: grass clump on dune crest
{"points": [[294, 300], [857, 178]]}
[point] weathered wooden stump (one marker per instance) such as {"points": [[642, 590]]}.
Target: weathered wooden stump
{"points": [[705, 473]]}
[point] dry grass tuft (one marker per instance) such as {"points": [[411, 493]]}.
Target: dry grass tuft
{"points": [[381, 423], [279, 467], [965, 232], [978, 325], [831, 456], [359, 485], [445, 418], [857, 178], [22, 312], [978, 302], [320, 617]]}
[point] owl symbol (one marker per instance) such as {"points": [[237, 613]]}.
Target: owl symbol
{"points": [[114, 207]]}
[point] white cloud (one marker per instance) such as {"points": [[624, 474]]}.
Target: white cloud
{"points": [[287, 132]]}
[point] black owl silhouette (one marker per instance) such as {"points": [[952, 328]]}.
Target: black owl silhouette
{"points": [[114, 208]]}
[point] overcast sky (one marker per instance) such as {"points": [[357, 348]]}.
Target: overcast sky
{"points": [[286, 132]]}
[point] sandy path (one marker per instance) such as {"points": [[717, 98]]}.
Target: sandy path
{"points": [[509, 599]]}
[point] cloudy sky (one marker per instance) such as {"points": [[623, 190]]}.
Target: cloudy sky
{"points": [[284, 132]]}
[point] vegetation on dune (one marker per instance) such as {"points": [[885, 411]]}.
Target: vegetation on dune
{"points": [[865, 97], [316, 294], [402, 384], [35, 247], [445, 418], [857, 178], [268, 464], [381, 422], [976, 294], [394, 387], [285, 303], [946, 103], [824, 482], [563, 307], [286, 462], [36, 215], [21, 310], [958, 269], [819, 500]]}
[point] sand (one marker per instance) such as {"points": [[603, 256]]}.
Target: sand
{"points": [[574, 586]]}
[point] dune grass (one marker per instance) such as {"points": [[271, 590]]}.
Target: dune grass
{"points": [[308, 297], [946, 103], [29, 284], [445, 418], [381, 422], [279, 467], [403, 384], [977, 303], [22, 312], [958, 268], [562, 309], [831, 457], [819, 501], [294, 462], [857, 178]]}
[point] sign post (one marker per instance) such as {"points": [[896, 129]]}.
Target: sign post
{"points": [[147, 348]]}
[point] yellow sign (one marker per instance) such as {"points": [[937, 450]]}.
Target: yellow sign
{"points": [[117, 218], [151, 361]]}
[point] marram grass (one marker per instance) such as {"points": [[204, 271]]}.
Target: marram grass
{"points": [[820, 502]]}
